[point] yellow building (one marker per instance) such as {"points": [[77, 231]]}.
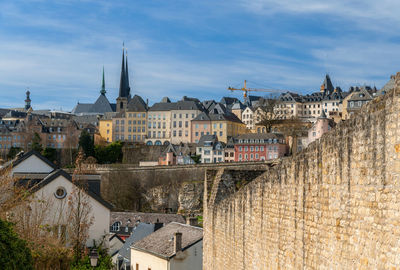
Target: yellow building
{"points": [[106, 130], [131, 125], [223, 126]]}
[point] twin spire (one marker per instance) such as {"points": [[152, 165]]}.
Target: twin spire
{"points": [[124, 89]]}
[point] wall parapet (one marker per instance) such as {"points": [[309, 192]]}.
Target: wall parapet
{"points": [[336, 205]]}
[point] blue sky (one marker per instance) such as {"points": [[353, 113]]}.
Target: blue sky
{"points": [[195, 48]]}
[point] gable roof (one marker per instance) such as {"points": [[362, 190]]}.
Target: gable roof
{"points": [[207, 138], [136, 104], [159, 243], [82, 108], [163, 106], [139, 232], [55, 174], [101, 105], [25, 156]]}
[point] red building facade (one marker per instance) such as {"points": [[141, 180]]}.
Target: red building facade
{"points": [[260, 146]]}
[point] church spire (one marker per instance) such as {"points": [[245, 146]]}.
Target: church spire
{"points": [[122, 84], [103, 86], [127, 75]]}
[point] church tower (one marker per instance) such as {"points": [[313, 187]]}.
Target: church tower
{"points": [[124, 89], [27, 101]]}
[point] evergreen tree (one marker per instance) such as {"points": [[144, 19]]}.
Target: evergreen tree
{"points": [[36, 143], [86, 143], [14, 253]]}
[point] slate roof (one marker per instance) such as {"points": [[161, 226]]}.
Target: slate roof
{"points": [[102, 105], [225, 117], [161, 244], [82, 108], [217, 108], [388, 86], [163, 106], [85, 119], [202, 117], [188, 105], [139, 232], [124, 217], [328, 84], [361, 94], [207, 138], [208, 103], [228, 100], [136, 104], [16, 114], [238, 106], [3, 112], [217, 117]]}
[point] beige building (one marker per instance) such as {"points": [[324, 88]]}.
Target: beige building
{"points": [[159, 122], [181, 116], [131, 125], [175, 246]]}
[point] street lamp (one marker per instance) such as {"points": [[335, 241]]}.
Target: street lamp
{"points": [[94, 256]]}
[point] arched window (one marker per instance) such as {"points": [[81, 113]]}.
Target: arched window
{"points": [[116, 226]]}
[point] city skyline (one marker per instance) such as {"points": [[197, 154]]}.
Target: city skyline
{"points": [[195, 49]]}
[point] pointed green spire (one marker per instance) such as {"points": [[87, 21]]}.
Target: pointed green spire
{"points": [[103, 85]]}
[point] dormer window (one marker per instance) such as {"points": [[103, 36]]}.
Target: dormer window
{"points": [[116, 226]]}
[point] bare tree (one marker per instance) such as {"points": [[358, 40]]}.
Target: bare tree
{"points": [[273, 121], [267, 113], [79, 212]]}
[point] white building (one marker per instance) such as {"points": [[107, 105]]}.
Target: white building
{"points": [[55, 187], [174, 247], [210, 149]]}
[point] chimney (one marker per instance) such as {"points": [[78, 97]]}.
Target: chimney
{"points": [[177, 242], [192, 221]]}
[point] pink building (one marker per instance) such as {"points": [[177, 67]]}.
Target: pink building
{"points": [[320, 127], [260, 146]]}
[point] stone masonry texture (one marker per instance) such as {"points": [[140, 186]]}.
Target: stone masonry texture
{"points": [[336, 205]]}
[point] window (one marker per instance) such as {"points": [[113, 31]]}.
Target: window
{"points": [[251, 148], [261, 148], [246, 149], [60, 193], [180, 124], [116, 226], [240, 148]]}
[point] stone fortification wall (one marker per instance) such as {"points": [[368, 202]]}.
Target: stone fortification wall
{"points": [[155, 189], [334, 206]]}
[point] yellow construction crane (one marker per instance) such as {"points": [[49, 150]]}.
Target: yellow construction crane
{"points": [[245, 90]]}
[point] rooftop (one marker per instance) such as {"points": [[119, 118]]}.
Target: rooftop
{"points": [[161, 242]]}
